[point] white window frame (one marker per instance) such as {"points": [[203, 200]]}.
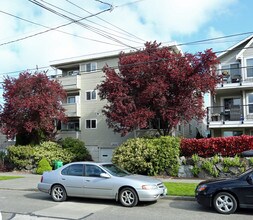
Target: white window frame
{"points": [[251, 67], [91, 92], [249, 103], [91, 120], [71, 98]]}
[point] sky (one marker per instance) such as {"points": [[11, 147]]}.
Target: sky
{"points": [[37, 33]]}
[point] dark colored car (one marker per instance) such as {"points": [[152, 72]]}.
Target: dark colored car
{"points": [[226, 195]]}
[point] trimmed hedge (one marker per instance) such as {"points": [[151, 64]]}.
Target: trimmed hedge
{"points": [[21, 156], [27, 157], [149, 156], [208, 147]]}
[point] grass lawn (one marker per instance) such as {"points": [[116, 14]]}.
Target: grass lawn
{"points": [[180, 189], [9, 177]]}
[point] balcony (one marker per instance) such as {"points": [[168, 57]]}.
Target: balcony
{"points": [[70, 83], [235, 76], [235, 115], [72, 110]]}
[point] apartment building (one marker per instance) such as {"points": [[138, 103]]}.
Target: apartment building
{"points": [[84, 108], [231, 108]]}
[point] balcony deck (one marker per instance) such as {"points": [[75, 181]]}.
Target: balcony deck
{"points": [[70, 82], [235, 116], [72, 110]]}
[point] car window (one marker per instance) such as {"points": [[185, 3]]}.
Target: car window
{"points": [[93, 170], [115, 170], [73, 170]]}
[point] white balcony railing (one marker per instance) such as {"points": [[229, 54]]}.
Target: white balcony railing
{"points": [[72, 110], [70, 82]]}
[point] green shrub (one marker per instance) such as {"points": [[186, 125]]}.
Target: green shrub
{"points": [[232, 162], [195, 158], [77, 148], [149, 156], [195, 170], [52, 152], [21, 156], [210, 168], [215, 159], [251, 161], [43, 166], [167, 158]]}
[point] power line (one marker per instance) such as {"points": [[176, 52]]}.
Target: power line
{"points": [[78, 22], [126, 32], [88, 21], [41, 25], [199, 41], [136, 64], [51, 29]]}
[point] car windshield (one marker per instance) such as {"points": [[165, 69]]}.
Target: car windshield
{"points": [[115, 170], [245, 173]]}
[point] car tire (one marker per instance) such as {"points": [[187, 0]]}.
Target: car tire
{"points": [[128, 197], [58, 193], [225, 203]]}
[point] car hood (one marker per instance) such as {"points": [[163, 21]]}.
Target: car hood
{"points": [[142, 178], [218, 180]]}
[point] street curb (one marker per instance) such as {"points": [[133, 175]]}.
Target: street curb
{"points": [[185, 198], [31, 190]]}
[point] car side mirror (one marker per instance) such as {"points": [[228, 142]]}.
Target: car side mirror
{"points": [[250, 179], [105, 175]]}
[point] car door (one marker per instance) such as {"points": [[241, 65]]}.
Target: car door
{"points": [[72, 178], [96, 186], [246, 191]]}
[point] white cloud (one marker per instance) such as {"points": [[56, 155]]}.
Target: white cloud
{"points": [[148, 19]]}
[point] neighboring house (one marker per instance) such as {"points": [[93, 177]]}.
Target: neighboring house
{"points": [[231, 110], [84, 108], [4, 142]]}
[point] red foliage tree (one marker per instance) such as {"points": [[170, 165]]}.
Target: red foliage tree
{"points": [[31, 108], [158, 86]]}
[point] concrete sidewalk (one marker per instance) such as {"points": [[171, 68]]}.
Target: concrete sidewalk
{"points": [[28, 182]]}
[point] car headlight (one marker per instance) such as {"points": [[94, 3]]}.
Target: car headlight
{"points": [[149, 187], [201, 187]]}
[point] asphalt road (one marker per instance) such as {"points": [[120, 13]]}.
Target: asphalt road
{"points": [[31, 205], [20, 200]]}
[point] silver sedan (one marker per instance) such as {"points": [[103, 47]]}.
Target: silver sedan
{"points": [[100, 180]]}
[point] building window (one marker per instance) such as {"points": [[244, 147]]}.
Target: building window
{"points": [[70, 72], [249, 67], [91, 124], [232, 133], [88, 67], [91, 95], [71, 126], [250, 103], [71, 99]]}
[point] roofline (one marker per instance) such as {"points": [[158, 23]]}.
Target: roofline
{"points": [[234, 46], [107, 54], [238, 56]]}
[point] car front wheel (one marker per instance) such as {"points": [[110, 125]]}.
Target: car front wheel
{"points": [[128, 197], [58, 193], [225, 203]]}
